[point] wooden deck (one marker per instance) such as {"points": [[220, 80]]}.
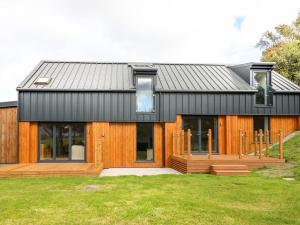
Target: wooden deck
{"points": [[201, 163], [50, 169]]}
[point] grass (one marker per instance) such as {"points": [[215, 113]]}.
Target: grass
{"points": [[164, 199], [291, 155]]}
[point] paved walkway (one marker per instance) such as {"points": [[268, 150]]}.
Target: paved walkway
{"points": [[136, 172]]}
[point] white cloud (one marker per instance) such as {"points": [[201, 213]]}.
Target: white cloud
{"points": [[133, 30]]}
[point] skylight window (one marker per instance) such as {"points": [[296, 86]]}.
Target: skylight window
{"points": [[43, 80]]}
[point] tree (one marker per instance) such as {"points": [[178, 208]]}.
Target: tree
{"points": [[283, 47]]}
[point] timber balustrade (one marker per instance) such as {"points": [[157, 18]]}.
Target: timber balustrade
{"points": [[209, 135], [259, 143], [182, 142]]}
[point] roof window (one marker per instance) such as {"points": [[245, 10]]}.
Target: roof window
{"points": [[42, 80]]}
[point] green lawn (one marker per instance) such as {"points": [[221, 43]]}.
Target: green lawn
{"points": [[165, 199]]}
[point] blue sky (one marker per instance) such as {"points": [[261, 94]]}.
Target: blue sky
{"points": [[210, 31], [238, 22]]}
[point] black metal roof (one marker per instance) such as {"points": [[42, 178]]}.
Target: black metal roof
{"points": [[8, 104], [111, 76]]}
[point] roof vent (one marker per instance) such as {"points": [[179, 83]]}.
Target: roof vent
{"points": [[143, 69], [42, 80]]}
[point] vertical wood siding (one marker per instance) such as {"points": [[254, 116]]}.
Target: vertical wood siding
{"points": [[28, 142], [229, 127], [169, 129], [286, 124], [8, 135], [119, 144]]}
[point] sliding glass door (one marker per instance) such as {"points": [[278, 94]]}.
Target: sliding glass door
{"points": [[199, 126], [61, 142]]}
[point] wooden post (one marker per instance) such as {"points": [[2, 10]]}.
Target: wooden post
{"points": [[98, 152], [260, 143], [280, 145], [178, 143], [267, 136], [182, 142], [189, 137], [240, 143], [245, 143], [209, 144], [255, 140], [174, 143]]}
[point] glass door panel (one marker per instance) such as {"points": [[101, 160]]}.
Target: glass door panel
{"points": [[199, 126], [192, 123], [46, 142], [207, 122], [62, 142]]}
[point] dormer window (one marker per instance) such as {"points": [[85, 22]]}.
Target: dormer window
{"points": [[144, 77], [261, 81], [144, 95]]}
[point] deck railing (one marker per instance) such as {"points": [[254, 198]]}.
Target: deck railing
{"points": [[257, 143], [182, 142]]}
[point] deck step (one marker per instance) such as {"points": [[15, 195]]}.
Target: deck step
{"points": [[229, 170], [229, 167]]}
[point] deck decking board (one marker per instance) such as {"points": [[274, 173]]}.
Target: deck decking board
{"points": [[201, 163], [50, 169]]}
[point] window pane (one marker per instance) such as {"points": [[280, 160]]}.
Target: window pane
{"points": [[191, 122], [78, 144], [261, 122], [260, 81], [207, 122], [62, 142], [144, 95], [46, 142], [199, 126], [144, 142], [258, 123]]}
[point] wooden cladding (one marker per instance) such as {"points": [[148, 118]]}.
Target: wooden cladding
{"points": [[114, 144], [287, 124], [229, 127], [169, 129], [119, 144], [8, 135], [28, 142]]}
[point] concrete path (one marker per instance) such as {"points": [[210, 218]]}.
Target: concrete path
{"points": [[136, 172]]}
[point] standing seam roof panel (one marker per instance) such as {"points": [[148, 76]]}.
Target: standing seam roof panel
{"points": [[191, 72], [226, 77], [118, 76], [219, 78]]}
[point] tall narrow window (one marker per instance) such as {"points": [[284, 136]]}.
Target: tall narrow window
{"points": [[144, 95], [261, 81], [144, 139]]}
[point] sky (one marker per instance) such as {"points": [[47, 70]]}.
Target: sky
{"points": [[186, 31]]}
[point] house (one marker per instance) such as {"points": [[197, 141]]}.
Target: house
{"points": [[128, 114]]}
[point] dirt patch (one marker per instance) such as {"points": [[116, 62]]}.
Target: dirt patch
{"points": [[92, 187], [284, 170]]}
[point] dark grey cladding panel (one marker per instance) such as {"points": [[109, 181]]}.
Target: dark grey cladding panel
{"points": [[224, 104], [118, 107], [8, 104], [81, 107]]}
